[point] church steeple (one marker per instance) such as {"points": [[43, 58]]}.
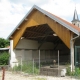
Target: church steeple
{"points": [[75, 20], [75, 17]]}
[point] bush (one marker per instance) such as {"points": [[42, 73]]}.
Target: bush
{"points": [[69, 73], [75, 73], [4, 58]]}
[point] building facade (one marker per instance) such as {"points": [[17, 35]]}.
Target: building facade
{"points": [[33, 38]]}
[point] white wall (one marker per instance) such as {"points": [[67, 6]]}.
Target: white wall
{"points": [[24, 46], [27, 49], [19, 55], [27, 44], [27, 55], [32, 44]]}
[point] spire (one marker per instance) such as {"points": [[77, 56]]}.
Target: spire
{"points": [[75, 17]]}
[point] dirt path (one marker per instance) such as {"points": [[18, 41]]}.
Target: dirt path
{"points": [[16, 76]]}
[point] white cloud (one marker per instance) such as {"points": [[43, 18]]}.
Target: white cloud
{"points": [[12, 11], [60, 7], [30, 2], [10, 15]]}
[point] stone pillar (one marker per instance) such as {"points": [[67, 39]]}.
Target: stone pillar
{"points": [[13, 60]]}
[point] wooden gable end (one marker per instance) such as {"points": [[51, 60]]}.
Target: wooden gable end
{"points": [[37, 18], [63, 33]]}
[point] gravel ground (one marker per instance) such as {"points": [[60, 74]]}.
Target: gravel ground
{"points": [[21, 76]]}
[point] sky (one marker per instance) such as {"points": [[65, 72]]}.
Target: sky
{"points": [[13, 11]]}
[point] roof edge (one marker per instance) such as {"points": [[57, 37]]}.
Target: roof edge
{"points": [[57, 20], [50, 16]]}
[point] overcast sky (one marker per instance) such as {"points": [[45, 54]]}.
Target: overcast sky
{"points": [[12, 11]]}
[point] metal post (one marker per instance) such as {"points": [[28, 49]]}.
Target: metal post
{"points": [[75, 56], [21, 64], [39, 60], [3, 74], [58, 62], [33, 66]]}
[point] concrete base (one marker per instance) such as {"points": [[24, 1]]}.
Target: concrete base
{"points": [[51, 71]]}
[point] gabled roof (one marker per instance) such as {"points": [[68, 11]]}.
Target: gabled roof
{"points": [[66, 24]]}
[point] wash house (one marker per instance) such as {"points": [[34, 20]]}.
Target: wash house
{"points": [[40, 35]]}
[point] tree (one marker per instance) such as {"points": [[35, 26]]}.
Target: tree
{"points": [[4, 58], [4, 43]]}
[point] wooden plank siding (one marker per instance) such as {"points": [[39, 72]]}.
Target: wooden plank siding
{"points": [[37, 18]]}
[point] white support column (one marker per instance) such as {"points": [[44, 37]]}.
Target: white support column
{"points": [[72, 53], [13, 60]]}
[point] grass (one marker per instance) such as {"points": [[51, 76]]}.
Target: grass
{"points": [[27, 68]]}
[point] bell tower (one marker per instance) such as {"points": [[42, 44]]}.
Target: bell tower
{"points": [[76, 20]]}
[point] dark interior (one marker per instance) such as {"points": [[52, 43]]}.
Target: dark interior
{"points": [[43, 33]]}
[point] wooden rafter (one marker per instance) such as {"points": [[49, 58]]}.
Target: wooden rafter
{"points": [[34, 32]]}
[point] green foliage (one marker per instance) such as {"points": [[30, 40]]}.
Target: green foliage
{"points": [[75, 73], [17, 68], [27, 68], [4, 43], [69, 73], [4, 58]]}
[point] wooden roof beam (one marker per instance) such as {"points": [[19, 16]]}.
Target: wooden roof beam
{"points": [[35, 32]]}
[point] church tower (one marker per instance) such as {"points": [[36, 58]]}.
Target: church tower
{"points": [[76, 20]]}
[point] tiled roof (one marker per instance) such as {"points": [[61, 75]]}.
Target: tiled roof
{"points": [[75, 27]]}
